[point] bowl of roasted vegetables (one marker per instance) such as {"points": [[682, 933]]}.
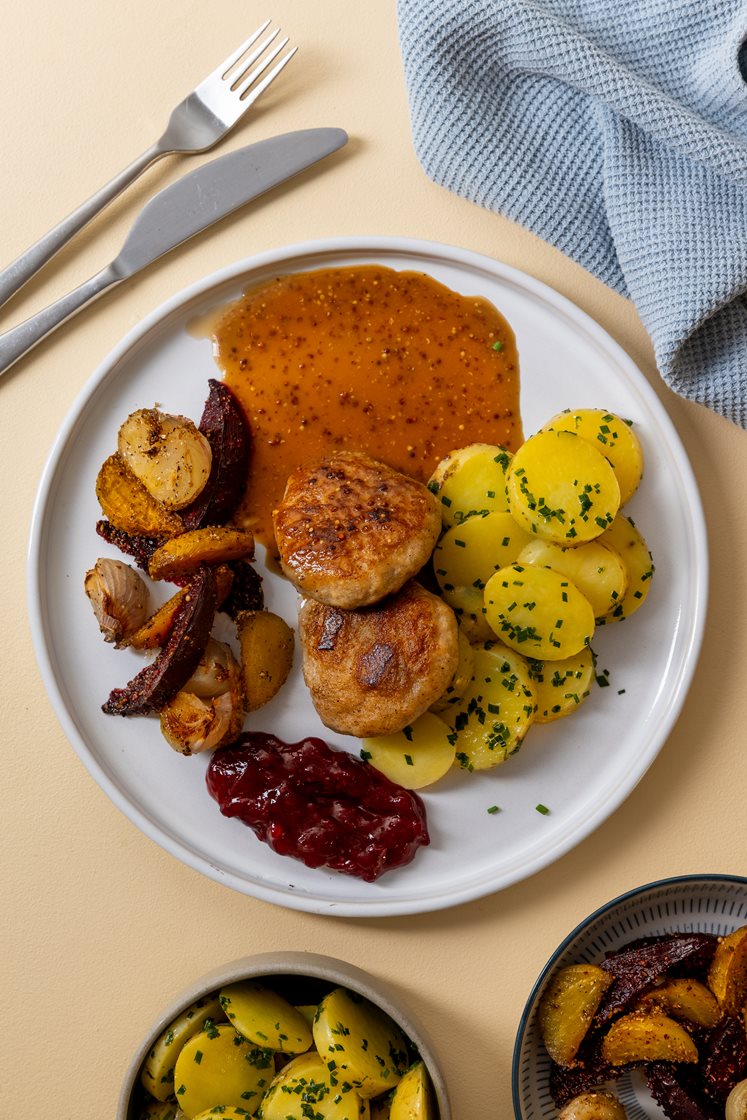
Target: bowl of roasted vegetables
{"points": [[641, 1012], [285, 1036]]}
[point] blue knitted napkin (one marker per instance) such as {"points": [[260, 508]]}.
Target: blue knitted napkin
{"points": [[617, 131]]}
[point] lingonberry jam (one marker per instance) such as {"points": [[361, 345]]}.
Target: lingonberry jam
{"points": [[319, 805]]}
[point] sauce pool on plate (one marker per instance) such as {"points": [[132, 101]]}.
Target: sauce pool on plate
{"points": [[367, 358]]}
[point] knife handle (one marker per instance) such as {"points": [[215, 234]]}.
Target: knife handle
{"points": [[29, 263], [18, 341]]}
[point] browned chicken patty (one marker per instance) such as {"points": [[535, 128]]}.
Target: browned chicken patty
{"points": [[350, 530], [374, 670]]}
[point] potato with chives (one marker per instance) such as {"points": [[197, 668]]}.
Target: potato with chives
{"points": [[307, 1088], [562, 686], [415, 757], [157, 1075], [596, 569], [460, 681], [538, 612], [265, 1018], [160, 1110], [495, 713], [562, 489], [219, 1067], [413, 1097], [632, 549], [468, 554], [611, 435], [359, 1042], [223, 1112], [471, 480]]}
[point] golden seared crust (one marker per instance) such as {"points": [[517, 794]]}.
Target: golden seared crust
{"points": [[350, 530], [374, 670]]}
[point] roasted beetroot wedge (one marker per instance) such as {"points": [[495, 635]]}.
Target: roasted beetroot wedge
{"points": [[224, 425], [725, 1058], [588, 1073], [674, 1090], [246, 592], [155, 685], [635, 970], [139, 548]]}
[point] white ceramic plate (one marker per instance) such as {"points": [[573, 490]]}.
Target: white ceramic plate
{"points": [[686, 904], [581, 768]]}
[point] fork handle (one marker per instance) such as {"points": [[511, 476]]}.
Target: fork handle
{"points": [[28, 264], [18, 341]]}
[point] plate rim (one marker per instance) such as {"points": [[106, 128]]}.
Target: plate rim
{"points": [[350, 246], [655, 884]]}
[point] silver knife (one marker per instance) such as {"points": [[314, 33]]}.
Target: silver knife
{"points": [[178, 212]]}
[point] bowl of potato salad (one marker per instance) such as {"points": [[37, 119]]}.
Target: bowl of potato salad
{"points": [[283, 1036]]}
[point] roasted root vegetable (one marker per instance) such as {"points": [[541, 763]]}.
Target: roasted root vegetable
{"points": [[129, 506], [267, 645], [224, 426], [736, 1102], [567, 1008], [208, 711], [611, 435], [158, 682], [119, 599], [639, 968], [595, 1105], [155, 630], [167, 454], [647, 1037], [140, 548], [725, 1059], [727, 977], [560, 488], [182, 555], [684, 999]]}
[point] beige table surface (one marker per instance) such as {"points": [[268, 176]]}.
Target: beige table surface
{"points": [[100, 926]]}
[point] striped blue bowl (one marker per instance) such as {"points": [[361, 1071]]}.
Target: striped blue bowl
{"points": [[686, 904]]}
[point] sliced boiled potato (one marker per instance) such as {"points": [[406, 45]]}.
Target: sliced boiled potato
{"points": [[308, 1010], [562, 686], [471, 480], [468, 554], [224, 1112], [219, 1067], [159, 1110], [265, 1018], [306, 1089], [595, 569], [381, 1108], [611, 435], [567, 1008], [494, 715], [183, 555], [562, 489], [415, 757], [169, 455], [157, 1074], [413, 1097], [460, 681], [359, 1042], [647, 1037], [538, 612], [727, 976], [267, 646], [632, 549]]}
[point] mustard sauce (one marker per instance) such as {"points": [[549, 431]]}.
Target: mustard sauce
{"points": [[367, 358]]}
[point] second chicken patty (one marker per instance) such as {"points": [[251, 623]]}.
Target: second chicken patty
{"points": [[374, 670], [351, 530]]}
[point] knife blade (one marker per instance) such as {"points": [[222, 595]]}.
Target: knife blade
{"points": [[179, 212]]}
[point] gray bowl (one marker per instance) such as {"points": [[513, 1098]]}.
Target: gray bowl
{"points": [[309, 966], [687, 904]]}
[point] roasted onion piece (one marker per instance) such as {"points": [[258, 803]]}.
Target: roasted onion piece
{"points": [[167, 454], [208, 711], [119, 598]]}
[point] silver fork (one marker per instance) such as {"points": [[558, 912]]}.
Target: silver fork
{"points": [[204, 117]]}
